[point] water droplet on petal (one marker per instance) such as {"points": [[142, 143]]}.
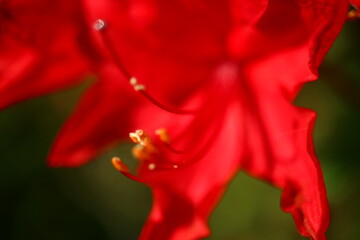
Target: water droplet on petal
{"points": [[99, 24]]}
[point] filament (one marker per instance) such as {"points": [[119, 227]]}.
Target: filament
{"points": [[123, 169], [99, 25]]}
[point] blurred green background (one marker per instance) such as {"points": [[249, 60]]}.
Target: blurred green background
{"points": [[95, 202]]}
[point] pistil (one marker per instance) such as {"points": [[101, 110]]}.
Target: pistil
{"points": [[99, 25]]}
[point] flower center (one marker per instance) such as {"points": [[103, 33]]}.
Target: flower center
{"points": [[195, 140], [146, 152]]}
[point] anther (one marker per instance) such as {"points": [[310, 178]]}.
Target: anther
{"points": [[163, 135], [99, 24], [123, 169], [119, 165], [151, 166], [133, 81], [137, 87], [140, 153], [140, 137]]}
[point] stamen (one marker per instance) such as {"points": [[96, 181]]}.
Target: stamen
{"points": [[139, 136], [145, 147], [164, 107], [137, 87], [140, 153], [100, 25], [151, 166], [192, 155], [142, 139], [119, 165], [147, 152], [163, 135], [123, 169], [133, 81]]}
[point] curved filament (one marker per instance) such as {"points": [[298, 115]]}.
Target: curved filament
{"points": [[100, 26]]}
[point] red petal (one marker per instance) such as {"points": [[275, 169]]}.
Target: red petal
{"points": [[355, 3], [25, 73], [170, 46], [184, 198], [102, 118], [40, 51], [328, 26], [280, 140]]}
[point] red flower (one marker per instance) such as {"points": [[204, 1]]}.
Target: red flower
{"points": [[40, 50], [219, 78], [229, 71]]}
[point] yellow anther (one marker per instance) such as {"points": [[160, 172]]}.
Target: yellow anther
{"points": [[119, 165], [163, 135], [140, 153], [141, 138], [139, 87], [134, 137], [134, 82], [151, 166]]}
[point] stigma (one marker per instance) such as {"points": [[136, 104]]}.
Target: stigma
{"points": [[99, 24]]}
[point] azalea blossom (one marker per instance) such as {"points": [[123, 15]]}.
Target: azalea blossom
{"points": [[205, 89], [41, 48]]}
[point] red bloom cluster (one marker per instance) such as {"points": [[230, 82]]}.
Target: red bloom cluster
{"points": [[209, 83]]}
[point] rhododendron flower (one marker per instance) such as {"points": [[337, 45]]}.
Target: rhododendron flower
{"points": [[206, 90], [41, 48]]}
